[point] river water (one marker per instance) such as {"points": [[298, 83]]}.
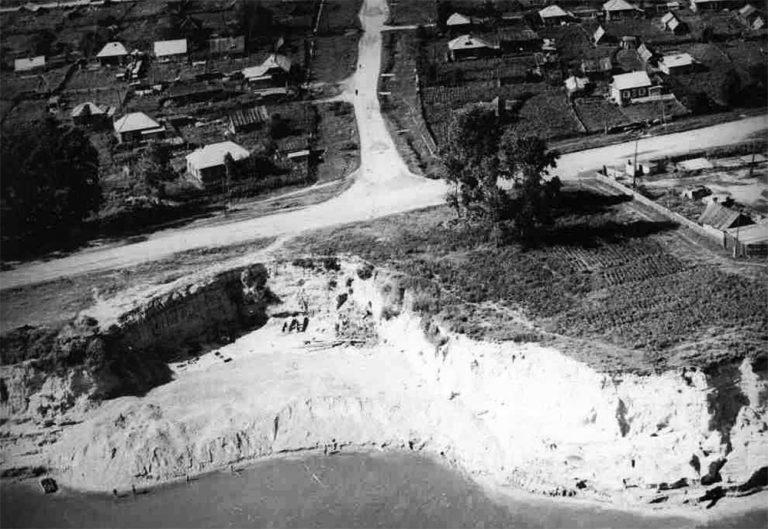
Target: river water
{"points": [[355, 490]]}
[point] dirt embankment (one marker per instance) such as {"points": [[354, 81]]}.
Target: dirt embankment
{"points": [[368, 373]]}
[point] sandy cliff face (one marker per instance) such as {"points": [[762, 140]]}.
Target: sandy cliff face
{"points": [[365, 374]]}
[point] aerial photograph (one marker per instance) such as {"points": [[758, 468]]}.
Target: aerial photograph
{"points": [[384, 263]]}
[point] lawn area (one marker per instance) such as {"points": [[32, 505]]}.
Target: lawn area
{"points": [[614, 289], [411, 12]]}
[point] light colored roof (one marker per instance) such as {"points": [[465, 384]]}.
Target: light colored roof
{"points": [[553, 11], [747, 10], [599, 34], [164, 48], [86, 109], [135, 121], [752, 234], [677, 60], [457, 19], [112, 49], [631, 80], [644, 52], [618, 5], [574, 83], [719, 216], [468, 42], [21, 65], [213, 155], [275, 60]]}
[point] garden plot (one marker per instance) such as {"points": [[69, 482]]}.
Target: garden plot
{"points": [[411, 12], [599, 115]]}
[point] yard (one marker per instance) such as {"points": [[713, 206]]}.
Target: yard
{"points": [[614, 289]]}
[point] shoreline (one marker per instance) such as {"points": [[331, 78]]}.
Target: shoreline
{"points": [[502, 495]]}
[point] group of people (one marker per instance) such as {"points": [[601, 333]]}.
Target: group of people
{"points": [[295, 326]]}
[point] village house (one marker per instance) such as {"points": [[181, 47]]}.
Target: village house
{"points": [[469, 47], [554, 15], [751, 17], [137, 127], [671, 23], [629, 86], [621, 9], [168, 50], [248, 120], [698, 6], [518, 39], [207, 163], [721, 218], [28, 64], [458, 22], [597, 68], [112, 54], [748, 241], [676, 64], [91, 115], [272, 73]]}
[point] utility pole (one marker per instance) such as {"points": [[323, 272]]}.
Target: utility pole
{"points": [[634, 164]]}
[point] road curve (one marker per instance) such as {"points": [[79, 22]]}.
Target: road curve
{"points": [[383, 184]]}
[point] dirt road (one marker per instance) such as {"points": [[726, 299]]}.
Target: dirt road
{"points": [[383, 185]]}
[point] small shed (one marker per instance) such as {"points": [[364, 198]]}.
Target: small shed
{"points": [[752, 17], [166, 50], [595, 68], [722, 218], [226, 45], [518, 38], [646, 54], [248, 120], [671, 23], [112, 54], [29, 63], [458, 21], [698, 6], [469, 47], [695, 192], [676, 64], [576, 84]]}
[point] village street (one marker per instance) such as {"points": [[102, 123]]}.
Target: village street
{"points": [[383, 185]]}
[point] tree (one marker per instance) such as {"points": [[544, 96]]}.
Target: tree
{"points": [[476, 154], [444, 10], [49, 184], [231, 174], [155, 168], [730, 88]]}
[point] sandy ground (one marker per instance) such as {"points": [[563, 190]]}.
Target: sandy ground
{"points": [[383, 185]]}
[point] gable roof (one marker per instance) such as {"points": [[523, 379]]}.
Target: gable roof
{"points": [[618, 5], [457, 19], [251, 115], [668, 17], [112, 49], [165, 48], [87, 109], [719, 216], [752, 234], [275, 60], [517, 34], [626, 81], [468, 42], [213, 155], [553, 11], [644, 52], [599, 34], [135, 121], [28, 63]]}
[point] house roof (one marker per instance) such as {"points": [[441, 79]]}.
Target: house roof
{"points": [[165, 48], [631, 80], [752, 234], [668, 17], [644, 52], [677, 60], [599, 34], [28, 63], [227, 44], [213, 155], [517, 33], [275, 60], [135, 121], [87, 109], [603, 64], [468, 42], [618, 5], [553, 11], [457, 19], [719, 216], [112, 49], [251, 115]]}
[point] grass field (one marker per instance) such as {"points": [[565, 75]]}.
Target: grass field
{"points": [[625, 285]]}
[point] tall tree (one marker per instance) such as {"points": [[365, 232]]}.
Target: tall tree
{"points": [[155, 168], [49, 183]]}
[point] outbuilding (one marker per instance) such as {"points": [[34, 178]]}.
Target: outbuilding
{"points": [[112, 54], [676, 64], [748, 241], [469, 47], [207, 163], [29, 63], [671, 23], [752, 17], [722, 218], [457, 21], [167, 50], [273, 72], [698, 6], [232, 46], [136, 127], [91, 115], [248, 120]]}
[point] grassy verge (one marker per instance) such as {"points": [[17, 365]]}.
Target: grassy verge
{"points": [[609, 287], [53, 303]]}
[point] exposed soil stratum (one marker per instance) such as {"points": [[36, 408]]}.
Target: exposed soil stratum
{"points": [[366, 373]]}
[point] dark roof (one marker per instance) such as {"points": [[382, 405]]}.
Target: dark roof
{"points": [[517, 34], [249, 116], [720, 217]]}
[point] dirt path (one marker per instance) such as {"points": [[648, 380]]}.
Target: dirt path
{"points": [[383, 184]]}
